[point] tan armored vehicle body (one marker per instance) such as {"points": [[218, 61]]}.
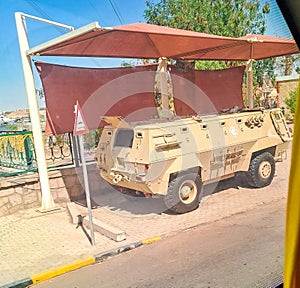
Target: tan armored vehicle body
{"points": [[175, 158]]}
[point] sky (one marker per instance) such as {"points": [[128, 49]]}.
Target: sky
{"points": [[74, 13]]}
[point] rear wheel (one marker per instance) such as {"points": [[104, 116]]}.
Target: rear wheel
{"points": [[184, 193], [261, 170]]}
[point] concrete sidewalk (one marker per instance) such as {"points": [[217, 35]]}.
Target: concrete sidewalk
{"points": [[32, 242]]}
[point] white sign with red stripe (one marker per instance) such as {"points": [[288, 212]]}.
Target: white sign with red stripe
{"points": [[80, 126]]}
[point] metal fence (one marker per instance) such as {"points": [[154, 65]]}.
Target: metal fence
{"points": [[17, 154], [59, 150], [17, 150]]}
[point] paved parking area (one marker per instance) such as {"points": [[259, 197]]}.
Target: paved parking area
{"points": [[32, 242]]}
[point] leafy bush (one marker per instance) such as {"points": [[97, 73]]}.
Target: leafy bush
{"points": [[91, 139], [291, 100]]}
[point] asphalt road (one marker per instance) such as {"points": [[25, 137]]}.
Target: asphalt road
{"points": [[244, 250]]}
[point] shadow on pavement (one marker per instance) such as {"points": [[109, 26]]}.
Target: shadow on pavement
{"points": [[112, 199]]}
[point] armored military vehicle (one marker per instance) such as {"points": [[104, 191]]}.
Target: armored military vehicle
{"points": [[175, 158]]}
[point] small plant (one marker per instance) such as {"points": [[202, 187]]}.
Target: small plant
{"points": [[291, 100], [12, 127], [91, 139]]}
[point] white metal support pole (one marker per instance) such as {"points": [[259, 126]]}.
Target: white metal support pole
{"points": [[47, 200], [80, 128], [87, 189]]}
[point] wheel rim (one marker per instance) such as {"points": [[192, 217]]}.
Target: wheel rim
{"points": [[188, 191], [264, 170]]}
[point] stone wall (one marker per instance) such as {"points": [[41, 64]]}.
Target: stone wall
{"points": [[23, 191], [18, 193]]}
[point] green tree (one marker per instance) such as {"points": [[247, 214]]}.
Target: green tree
{"points": [[286, 64], [262, 68], [130, 63], [232, 18]]}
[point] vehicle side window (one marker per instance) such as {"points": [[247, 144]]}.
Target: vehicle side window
{"points": [[124, 138]]}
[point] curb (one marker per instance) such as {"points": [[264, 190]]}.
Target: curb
{"points": [[48, 274]]}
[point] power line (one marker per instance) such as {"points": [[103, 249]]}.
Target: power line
{"points": [[96, 11], [44, 14], [114, 6], [35, 6]]}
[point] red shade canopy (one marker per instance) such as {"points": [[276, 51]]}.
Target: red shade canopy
{"points": [[128, 92], [262, 46], [142, 40]]}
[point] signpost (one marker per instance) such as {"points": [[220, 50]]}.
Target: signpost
{"points": [[80, 128]]}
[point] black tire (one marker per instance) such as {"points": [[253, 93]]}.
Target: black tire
{"points": [[261, 170], [184, 193]]}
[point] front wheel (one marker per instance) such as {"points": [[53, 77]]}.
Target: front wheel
{"points": [[184, 193], [261, 170]]}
